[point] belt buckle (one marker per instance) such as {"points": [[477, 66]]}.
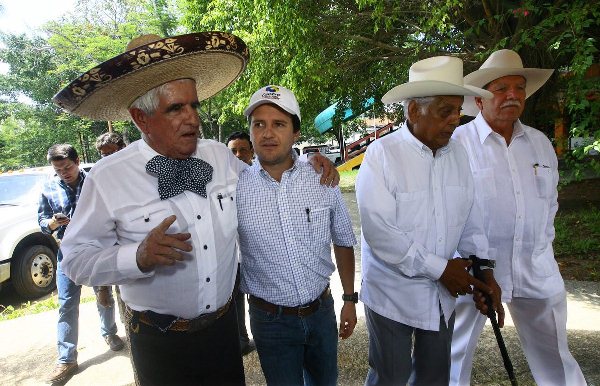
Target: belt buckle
{"points": [[304, 310]]}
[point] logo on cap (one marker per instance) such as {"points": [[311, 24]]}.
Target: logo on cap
{"points": [[271, 92]]}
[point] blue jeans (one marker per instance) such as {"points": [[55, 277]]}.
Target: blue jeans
{"points": [[69, 294], [294, 350]]}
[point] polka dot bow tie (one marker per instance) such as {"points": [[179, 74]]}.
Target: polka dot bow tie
{"points": [[177, 175]]}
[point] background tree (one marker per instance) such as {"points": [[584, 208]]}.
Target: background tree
{"points": [[327, 51]]}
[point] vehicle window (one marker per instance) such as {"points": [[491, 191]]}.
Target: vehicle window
{"points": [[20, 189]]}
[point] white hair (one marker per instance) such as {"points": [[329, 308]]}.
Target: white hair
{"points": [[422, 102], [148, 102]]}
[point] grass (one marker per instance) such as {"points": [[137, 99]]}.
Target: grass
{"points": [[347, 180], [36, 307], [578, 233]]}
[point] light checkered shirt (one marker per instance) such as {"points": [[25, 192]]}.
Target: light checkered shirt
{"points": [[285, 233]]}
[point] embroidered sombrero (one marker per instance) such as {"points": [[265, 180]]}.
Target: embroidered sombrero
{"points": [[213, 59]]}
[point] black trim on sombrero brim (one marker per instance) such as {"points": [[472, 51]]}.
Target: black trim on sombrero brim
{"points": [[139, 60]]}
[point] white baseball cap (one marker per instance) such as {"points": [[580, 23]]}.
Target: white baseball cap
{"points": [[277, 95]]}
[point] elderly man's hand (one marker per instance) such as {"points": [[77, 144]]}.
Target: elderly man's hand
{"points": [[160, 248], [330, 176], [458, 281], [479, 298]]}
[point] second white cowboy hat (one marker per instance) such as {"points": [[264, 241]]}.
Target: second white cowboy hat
{"points": [[504, 63], [276, 95], [439, 75]]}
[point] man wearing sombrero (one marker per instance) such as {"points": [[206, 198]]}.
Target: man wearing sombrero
{"points": [[515, 171], [417, 205], [159, 217]]}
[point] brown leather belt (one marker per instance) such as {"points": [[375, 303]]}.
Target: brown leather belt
{"points": [[300, 311], [181, 325]]}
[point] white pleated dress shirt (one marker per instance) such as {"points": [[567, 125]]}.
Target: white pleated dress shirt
{"points": [[416, 210], [119, 205], [519, 197]]}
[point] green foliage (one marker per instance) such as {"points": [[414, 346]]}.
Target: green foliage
{"points": [[41, 64], [327, 51], [578, 233]]}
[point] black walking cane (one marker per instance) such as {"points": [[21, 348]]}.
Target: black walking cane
{"points": [[476, 266]]}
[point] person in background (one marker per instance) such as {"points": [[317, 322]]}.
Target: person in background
{"points": [[240, 145], [418, 206], [57, 204], [287, 223], [109, 143], [515, 170]]}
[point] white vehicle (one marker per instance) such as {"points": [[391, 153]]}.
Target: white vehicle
{"points": [[27, 256], [333, 153]]}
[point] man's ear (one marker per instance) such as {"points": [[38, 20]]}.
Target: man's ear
{"points": [[479, 103], [140, 118], [413, 111]]}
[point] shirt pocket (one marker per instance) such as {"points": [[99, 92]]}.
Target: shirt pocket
{"points": [[410, 212], [458, 205], [140, 221], [224, 209], [320, 226], [543, 181], [485, 183]]}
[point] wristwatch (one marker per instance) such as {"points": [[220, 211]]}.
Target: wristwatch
{"points": [[350, 297]]}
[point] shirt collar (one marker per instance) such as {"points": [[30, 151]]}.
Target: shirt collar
{"points": [[293, 170], [484, 130], [66, 186]]}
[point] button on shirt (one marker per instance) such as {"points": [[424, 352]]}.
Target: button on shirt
{"points": [[58, 197], [416, 210], [285, 233], [518, 186], [120, 204]]}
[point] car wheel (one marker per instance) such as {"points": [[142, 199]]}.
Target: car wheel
{"points": [[33, 273]]}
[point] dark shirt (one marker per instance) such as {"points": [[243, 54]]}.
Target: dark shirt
{"points": [[58, 197]]}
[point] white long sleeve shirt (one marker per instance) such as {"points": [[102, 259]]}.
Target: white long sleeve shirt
{"points": [[119, 205], [416, 210], [517, 184]]}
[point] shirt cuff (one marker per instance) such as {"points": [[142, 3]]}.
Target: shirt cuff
{"points": [[434, 266], [127, 263]]}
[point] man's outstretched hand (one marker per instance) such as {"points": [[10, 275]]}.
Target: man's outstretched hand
{"points": [[160, 248]]}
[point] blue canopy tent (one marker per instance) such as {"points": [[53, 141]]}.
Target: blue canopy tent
{"points": [[324, 121]]}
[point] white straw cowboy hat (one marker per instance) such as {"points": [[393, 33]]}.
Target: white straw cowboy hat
{"points": [[213, 59], [504, 63], [439, 75]]}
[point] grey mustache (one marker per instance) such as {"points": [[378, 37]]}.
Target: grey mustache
{"points": [[511, 103]]}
